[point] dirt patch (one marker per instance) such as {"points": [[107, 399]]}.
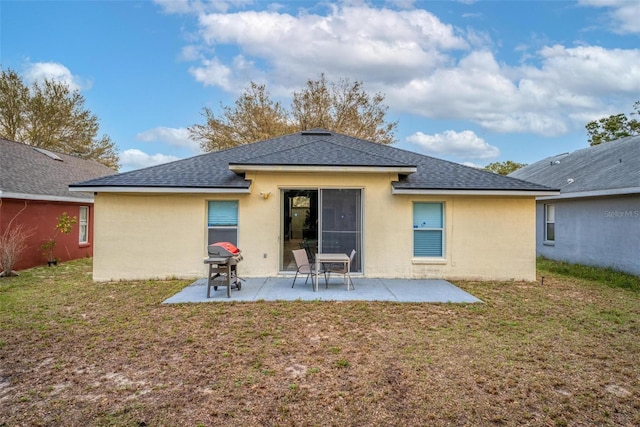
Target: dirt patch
{"points": [[77, 353]]}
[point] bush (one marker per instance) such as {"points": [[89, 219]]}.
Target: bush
{"points": [[12, 245]]}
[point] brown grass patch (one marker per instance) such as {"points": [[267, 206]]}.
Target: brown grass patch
{"points": [[73, 352]]}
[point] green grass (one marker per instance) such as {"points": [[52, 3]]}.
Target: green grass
{"points": [[607, 276]]}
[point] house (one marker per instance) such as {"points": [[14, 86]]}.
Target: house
{"points": [[34, 191], [406, 215], [595, 220]]}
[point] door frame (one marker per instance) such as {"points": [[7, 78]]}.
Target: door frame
{"points": [[283, 237]]}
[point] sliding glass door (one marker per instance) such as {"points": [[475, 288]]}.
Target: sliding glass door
{"points": [[341, 223], [325, 220]]}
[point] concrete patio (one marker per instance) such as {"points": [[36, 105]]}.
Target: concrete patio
{"points": [[366, 289]]}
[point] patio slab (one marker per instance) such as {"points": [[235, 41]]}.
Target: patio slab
{"points": [[366, 289]]}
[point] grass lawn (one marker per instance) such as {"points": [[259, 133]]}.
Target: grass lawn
{"points": [[78, 353]]}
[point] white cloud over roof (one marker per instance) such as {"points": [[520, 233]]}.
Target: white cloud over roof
{"points": [[422, 65], [176, 137], [465, 144], [136, 159]]}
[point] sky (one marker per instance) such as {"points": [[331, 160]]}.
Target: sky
{"points": [[473, 82]]}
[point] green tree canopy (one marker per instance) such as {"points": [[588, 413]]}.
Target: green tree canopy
{"points": [[613, 127], [49, 115], [504, 168], [342, 107]]}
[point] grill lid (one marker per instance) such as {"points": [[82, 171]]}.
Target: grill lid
{"points": [[223, 249]]}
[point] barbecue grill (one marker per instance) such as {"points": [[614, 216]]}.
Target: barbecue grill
{"points": [[223, 267]]}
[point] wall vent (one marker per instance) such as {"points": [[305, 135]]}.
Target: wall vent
{"points": [[316, 132]]}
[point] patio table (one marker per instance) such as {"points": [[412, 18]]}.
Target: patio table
{"points": [[331, 258]]}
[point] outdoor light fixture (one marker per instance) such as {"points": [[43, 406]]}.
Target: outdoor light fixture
{"points": [[265, 195]]}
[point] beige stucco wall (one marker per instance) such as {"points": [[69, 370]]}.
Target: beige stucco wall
{"points": [[159, 236]]}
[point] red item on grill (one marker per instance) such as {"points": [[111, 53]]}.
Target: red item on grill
{"points": [[219, 249]]}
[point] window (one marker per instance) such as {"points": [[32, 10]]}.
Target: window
{"points": [[83, 225], [222, 221], [428, 230], [550, 223]]}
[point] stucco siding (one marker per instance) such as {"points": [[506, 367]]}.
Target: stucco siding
{"points": [[602, 232], [159, 236], [148, 236], [486, 239]]}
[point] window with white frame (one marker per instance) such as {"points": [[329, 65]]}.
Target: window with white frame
{"points": [[222, 221], [83, 225], [428, 230], [550, 223]]}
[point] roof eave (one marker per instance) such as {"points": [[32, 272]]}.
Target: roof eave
{"points": [[163, 190], [46, 197], [593, 193], [240, 168], [472, 192]]}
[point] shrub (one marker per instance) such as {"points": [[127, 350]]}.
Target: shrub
{"points": [[12, 245]]}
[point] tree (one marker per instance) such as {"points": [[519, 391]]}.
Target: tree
{"points": [[49, 115], [255, 117], [613, 127], [504, 168], [342, 107], [64, 225], [14, 104]]}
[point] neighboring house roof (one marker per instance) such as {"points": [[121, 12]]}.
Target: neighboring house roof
{"points": [[606, 169], [28, 172], [308, 151]]}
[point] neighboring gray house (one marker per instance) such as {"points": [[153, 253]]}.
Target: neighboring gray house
{"points": [[596, 218]]}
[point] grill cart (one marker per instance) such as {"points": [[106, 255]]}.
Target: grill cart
{"points": [[223, 267]]}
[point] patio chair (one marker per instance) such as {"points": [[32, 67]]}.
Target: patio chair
{"points": [[342, 269], [304, 267]]}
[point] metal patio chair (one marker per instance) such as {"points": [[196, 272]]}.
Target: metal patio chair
{"points": [[304, 266]]}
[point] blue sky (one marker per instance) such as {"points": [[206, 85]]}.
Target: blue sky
{"points": [[469, 81]]}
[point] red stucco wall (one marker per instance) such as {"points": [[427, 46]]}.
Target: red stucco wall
{"points": [[41, 218]]}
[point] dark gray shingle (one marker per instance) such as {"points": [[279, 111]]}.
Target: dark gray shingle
{"points": [[612, 165], [313, 148], [27, 170]]}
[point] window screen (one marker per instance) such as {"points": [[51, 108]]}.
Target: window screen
{"points": [[222, 221], [428, 229]]}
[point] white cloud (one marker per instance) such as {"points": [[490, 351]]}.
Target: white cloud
{"points": [[176, 6], [545, 99], [213, 73], [176, 137], [39, 71], [588, 70], [368, 43], [465, 144], [624, 14], [423, 65], [190, 53], [136, 159], [473, 165]]}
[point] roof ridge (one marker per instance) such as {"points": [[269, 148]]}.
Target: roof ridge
{"points": [[277, 151]]}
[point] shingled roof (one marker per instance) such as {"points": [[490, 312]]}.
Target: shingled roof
{"points": [[316, 149], [604, 169], [27, 172]]}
